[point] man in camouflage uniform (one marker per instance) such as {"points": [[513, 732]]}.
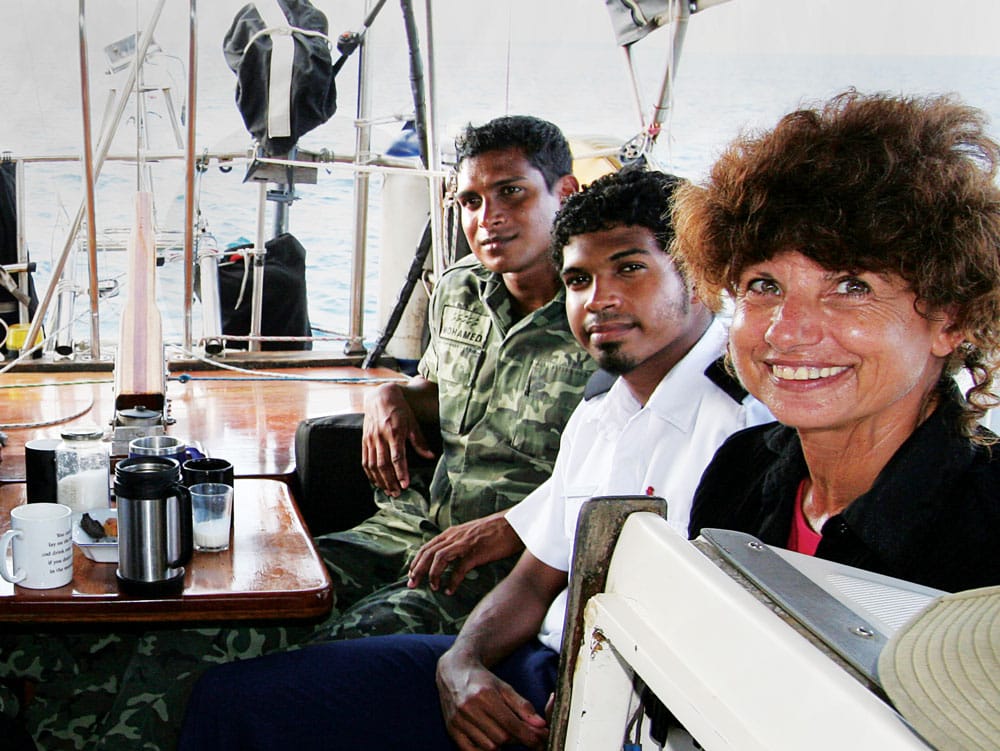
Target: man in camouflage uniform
{"points": [[500, 378]]}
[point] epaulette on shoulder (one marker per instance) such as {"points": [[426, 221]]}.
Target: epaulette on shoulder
{"points": [[719, 374], [465, 262], [599, 383]]}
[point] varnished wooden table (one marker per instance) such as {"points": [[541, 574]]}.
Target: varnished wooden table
{"points": [[247, 418], [271, 571]]}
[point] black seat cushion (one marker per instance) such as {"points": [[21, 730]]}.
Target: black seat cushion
{"points": [[332, 490]]}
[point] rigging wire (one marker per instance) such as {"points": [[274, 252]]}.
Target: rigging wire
{"points": [[415, 272], [261, 375], [416, 79], [660, 121], [44, 384], [47, 423]]}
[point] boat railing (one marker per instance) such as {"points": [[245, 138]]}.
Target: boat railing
{"points": [[361, 163], [264, 169], [168, 241]]}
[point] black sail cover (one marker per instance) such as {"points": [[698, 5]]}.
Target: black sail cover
{"points": [[312, 95], [285, 302]]}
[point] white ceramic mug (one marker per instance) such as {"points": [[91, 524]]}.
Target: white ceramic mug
{"points": [[42, 538]]}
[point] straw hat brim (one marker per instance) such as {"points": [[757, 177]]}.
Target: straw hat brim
{"points": [[942, 671]]}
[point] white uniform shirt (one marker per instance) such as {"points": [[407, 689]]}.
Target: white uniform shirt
{"points": [[614, 446]]}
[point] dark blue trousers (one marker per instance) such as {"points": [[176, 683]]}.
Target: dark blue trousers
{"points": [[364, 695]]}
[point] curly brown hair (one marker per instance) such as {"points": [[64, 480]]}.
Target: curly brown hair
{"points": [[879, 183]]}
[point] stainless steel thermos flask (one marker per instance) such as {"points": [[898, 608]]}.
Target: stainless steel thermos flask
{"points": [[154, 525]]}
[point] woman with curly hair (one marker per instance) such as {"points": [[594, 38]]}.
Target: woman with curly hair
{"points": [[859, 244]]}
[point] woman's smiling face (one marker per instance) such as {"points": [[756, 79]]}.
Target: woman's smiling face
{"points": [[835, 349]]}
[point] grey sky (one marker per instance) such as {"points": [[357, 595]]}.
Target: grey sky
{"points": [[563, 46], [833, 26], [909, 27]]}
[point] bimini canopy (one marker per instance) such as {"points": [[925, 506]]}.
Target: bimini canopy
{"points": [[632, 20], [280, 53]]}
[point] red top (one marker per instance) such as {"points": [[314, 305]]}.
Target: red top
{"points": [[802, 538]]}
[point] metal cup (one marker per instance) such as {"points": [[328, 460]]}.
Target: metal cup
{"points": [[158, 445]]}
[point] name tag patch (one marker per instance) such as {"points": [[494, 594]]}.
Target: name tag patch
{"points": [[464, 327]]}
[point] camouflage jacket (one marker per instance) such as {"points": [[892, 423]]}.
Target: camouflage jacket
{"points": [[505, 392]]}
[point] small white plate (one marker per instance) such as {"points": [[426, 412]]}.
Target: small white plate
{"points": [[104, 550]]}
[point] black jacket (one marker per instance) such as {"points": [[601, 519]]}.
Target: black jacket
{"points": [[931, 517]]}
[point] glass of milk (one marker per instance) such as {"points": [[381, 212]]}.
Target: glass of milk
{"points": [[211, 508]]}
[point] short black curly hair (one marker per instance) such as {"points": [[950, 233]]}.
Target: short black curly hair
{"points": [[544, 145], [631, 197]]}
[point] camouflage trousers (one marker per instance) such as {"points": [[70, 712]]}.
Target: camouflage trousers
{"points": [[117, 691], [99, 691], [368, 565]]}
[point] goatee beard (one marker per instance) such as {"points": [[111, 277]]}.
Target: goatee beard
{"points": [[614, 361]]}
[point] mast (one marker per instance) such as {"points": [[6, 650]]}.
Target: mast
{"points": [[140, 374]]}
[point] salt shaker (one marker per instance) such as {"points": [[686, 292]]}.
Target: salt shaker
{"points": [[83, 470]]}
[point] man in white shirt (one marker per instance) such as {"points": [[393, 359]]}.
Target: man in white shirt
{"points": [[615, 445], [653, 429]]}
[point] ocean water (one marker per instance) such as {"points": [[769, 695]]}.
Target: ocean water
{"points": [[579, 83]]}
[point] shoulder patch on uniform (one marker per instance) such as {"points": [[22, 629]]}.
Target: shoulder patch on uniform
{"points": [[719, 375], [599, 383], [464, 326]]}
